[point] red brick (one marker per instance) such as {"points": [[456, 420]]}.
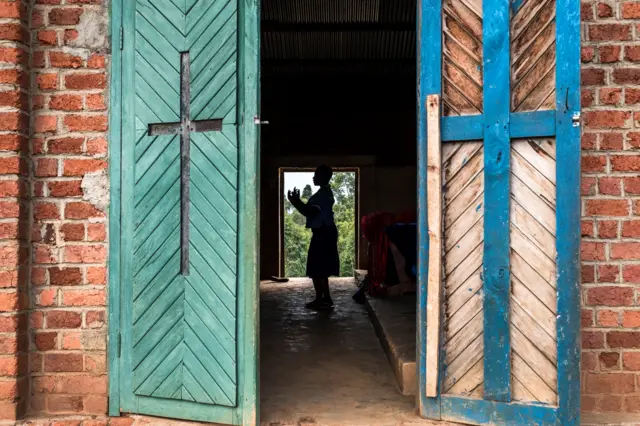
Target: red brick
{"points": [[64, 319], [588, 185], [587, 96], [81, 167], [72, 231], [85, 81], [63, 363], [627, 251], [46, 123], [48, 37], [10, 121], [592, 250], [631, 319], [607, 207], [12, 55], [64, 60], [43, 254], [609, 32], [96, 232], [609, 360], [592, 77], [608, 229], [631, 274], [65, 276], [95, 319], [65, 403], [66, 103], [66, 188], [46, 167], [592, 340], [609, 54], [46, 211], [610, 296], [47, 81], [96, 102], [623, 339], [12, 32], [9, 188], [589, 361], [609, 403], [9, 209], [82, 123], [593, 163], [604, 10], [631, 229], [632, 185], [70, 35], [38, 59], [626, 76], [97, 62], [631, 10], [625, 163], [610, 96], [97, 275], [607, 119], [85, 254], [610, 186], [82, 384], [81, 210], [586, 317], [10, 98], [607, 319], [615, 383], [84, 298], [97, 146], [46, 341], [10, 9], [608, 273], [631, 361], [631, 96], [586, 11], [65, 145], [72, 341], [65, 16], [586, 228], [47, 297]]}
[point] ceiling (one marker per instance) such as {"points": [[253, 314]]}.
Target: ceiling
{"points": [[358, 37]]}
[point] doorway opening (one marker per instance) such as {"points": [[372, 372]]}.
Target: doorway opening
{"points": [[295, 237], [338, 87]]}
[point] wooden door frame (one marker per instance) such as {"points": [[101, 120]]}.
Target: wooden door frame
{"points": [[559, 123], [281, 201], [247, 411]]}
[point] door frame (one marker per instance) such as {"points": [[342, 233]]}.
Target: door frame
{"points": [[429, 60], [281, 201], [247, 410]]}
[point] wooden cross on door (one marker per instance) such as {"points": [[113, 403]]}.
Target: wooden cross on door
{"points": [[184, 129]]}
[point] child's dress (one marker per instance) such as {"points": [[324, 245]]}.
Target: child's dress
{"points": [[323, 259]]}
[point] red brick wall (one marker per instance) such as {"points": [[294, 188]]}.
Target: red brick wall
{"points": [[611, 206], [68, 255], [14, 127]]}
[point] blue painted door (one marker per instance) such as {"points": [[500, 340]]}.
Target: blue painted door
{"points": [[187, 228], [507, 72]]}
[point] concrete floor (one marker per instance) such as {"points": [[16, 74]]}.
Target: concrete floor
{"points": [[324, 368]]}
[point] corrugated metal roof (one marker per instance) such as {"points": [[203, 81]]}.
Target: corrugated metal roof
{"points": [[308, 34]]}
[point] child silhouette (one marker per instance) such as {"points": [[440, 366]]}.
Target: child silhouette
{"points": [[322, 260]]}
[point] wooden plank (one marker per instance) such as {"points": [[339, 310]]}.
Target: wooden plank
{"points": [[482, 412], [520, 392], [463, 293], [533, 281], [544, 368], [545, 267], [568, 209], [496, 265], [537, 157], [543, 316], [533, 229], [539, 184], [458, 276], [460, 178], [470, 309], [471, 380], [434, 287], [464, 247], [454, 163], [457, 206], [545, 214], [457, 344], [534, 383], [459, 367], [522, 320], [465, 222]]}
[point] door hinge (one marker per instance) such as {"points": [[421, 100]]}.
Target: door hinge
{"points": [[119, 345], [121, 38]]}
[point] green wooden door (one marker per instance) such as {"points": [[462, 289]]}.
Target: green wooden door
{"points": [[187, 335]]}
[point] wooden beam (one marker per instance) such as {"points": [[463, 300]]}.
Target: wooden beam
{"points": [[434, 217]]}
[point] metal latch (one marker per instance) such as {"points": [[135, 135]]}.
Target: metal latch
{"points": [[257, 120], [576, 119]]}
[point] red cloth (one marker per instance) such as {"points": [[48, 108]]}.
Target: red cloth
{"points": [[373, 228]]}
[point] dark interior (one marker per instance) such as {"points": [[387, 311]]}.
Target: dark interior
{"points": [[338, 82]]}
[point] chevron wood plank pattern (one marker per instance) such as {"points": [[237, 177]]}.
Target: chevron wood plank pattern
{"points": [[463, 180], [533, 272], [462, 57], [184, 327], [533, 56]]}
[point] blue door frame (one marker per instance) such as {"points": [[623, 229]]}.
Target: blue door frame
{"points": [[496, 127]]}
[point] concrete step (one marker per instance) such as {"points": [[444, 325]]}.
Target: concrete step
{"points": [[394, 320]]}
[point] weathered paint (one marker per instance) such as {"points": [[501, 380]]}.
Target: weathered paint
{"points": [[496, 265], [568, 209], [478, 411], [531, 124], [430, 83]]}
